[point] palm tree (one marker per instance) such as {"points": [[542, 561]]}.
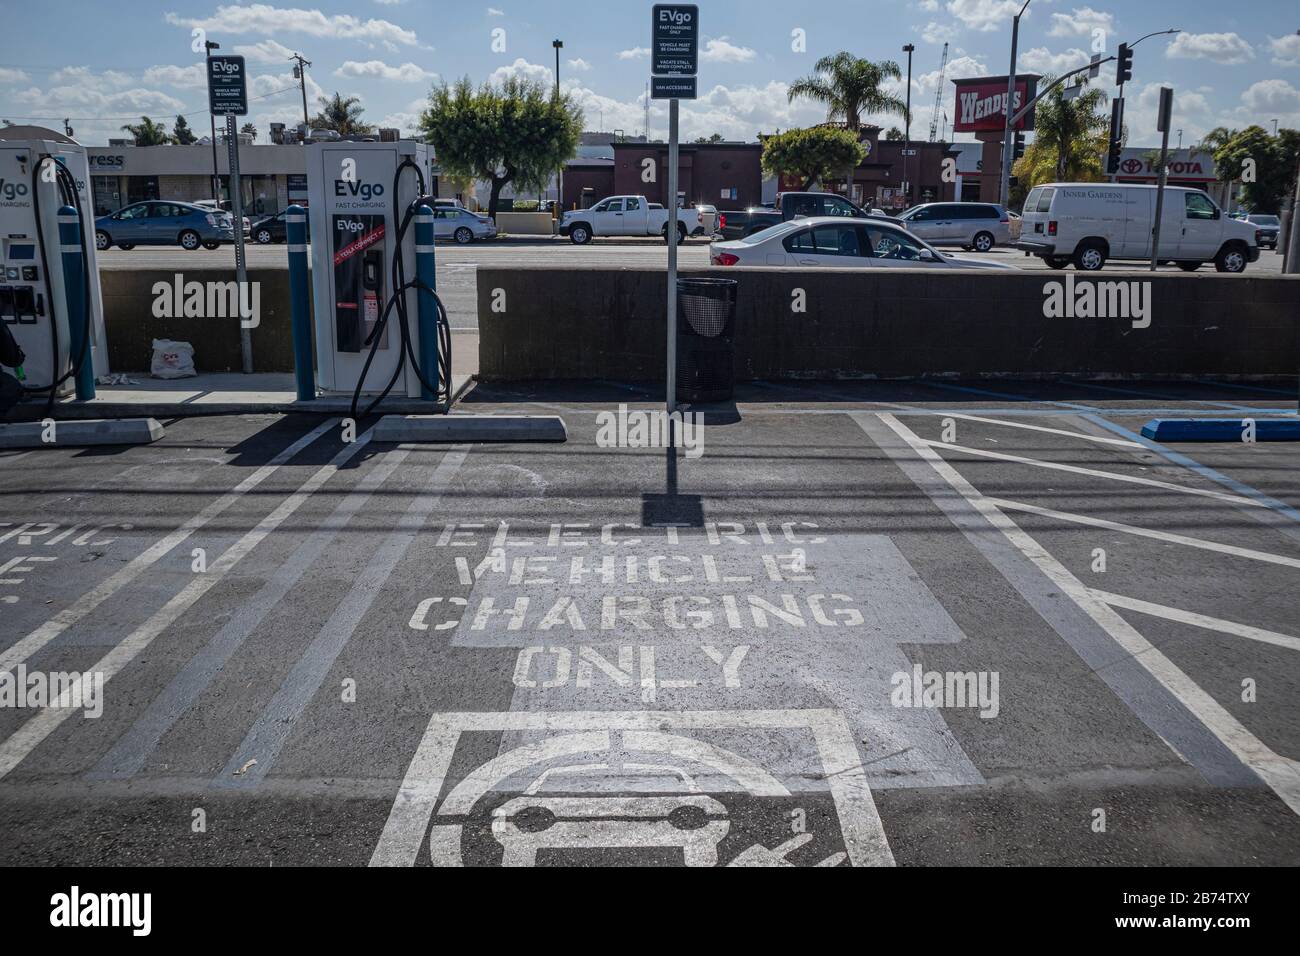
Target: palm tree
{"points": [[148, 133], [341, 114], [850, 88], [1073, 133], [1215, 139]]}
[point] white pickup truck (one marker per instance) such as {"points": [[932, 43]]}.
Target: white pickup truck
{"points": [[626, 216]]}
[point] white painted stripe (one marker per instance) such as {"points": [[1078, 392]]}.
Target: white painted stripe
{"points": [[1093, 472], [1170, 536], [423, 248], [295, 217], [1009, 424], [12, 656], [1280, 773], [295, 247], [1199, 620], [24, 740]]}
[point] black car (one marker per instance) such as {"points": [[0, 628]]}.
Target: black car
{"points": [[1266, 229], [271, 229]]}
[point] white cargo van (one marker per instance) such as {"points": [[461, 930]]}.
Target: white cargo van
{"points": [[1089, 223]]}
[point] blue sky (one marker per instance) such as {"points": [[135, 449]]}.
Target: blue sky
{"points": [[100, 63]]}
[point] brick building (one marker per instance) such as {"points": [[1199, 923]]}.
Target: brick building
{"points": [[726, 175]]}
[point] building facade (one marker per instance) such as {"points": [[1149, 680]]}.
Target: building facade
{"points": [[726, 175]]}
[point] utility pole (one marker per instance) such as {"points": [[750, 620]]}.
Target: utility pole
{"points": [[559, 174], [300, 74], [907, 131], [1004, 179], [208, 47], [1162, 124]]}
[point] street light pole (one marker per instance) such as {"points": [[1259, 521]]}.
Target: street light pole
{"points": [[1004, 180], [559, 174], [907, 130], [208, 47]]}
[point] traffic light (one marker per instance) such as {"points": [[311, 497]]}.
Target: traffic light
{"points": [[1116, 142], [1124, 64], [1018, 148]]}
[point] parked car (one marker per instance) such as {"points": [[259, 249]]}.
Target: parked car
{"points": [[708, 220], [453, 222], [1267, 229], [272, 229], [792, 206], [971, 225], [226, 207], [626, 216], [155, 223], [834, 241], [1090, 223]]}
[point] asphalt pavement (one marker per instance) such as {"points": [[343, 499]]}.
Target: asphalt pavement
{"points": [[862, 624]]}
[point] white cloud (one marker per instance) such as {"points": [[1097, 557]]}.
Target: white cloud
{"points": [[1042, 60], [960, 68], [82, 74], [523, 69], [719, 50], [636, 53], [12, 76], [1192, 114], [1272, 98], [378, 69], [1226, 48], [1285, 50], [187, 77], [935, 32], [929, 6], [1080, 22], [579, 64], [267, 51], [984, 15], [266, 19], [494, 12]]}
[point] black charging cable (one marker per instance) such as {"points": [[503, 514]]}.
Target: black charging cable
{"points": [[441, 388]]}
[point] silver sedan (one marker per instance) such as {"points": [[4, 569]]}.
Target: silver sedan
{"points": [[451, 222]]}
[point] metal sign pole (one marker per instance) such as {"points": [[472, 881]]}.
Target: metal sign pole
{"points": [[1163, 123], [241, 266], [670, 233]]}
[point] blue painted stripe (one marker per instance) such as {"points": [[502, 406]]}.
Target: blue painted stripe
{"points": [[1177, 458]]}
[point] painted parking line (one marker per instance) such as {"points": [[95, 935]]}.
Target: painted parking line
{"points": [[1094, 473], [24, 740], [1010, 396], [1198, 620], [1169, 536], [1279, 773], [1007, 423], [271, 730], [14, 655], [132, 749]]}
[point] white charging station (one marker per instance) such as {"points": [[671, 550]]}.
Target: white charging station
{"points": [[353, 216], [33, 300]]}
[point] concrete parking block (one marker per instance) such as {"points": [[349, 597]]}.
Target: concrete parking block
{"points": [[1220, 429], [105, 431]]}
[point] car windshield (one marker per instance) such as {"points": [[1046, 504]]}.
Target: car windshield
{"points": [[907, 213], [1265, 220], [764, 234]]}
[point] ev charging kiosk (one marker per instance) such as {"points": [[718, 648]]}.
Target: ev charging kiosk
{"points": [[33, 297], [354, 215]]}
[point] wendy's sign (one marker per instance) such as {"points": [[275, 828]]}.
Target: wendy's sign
{"points": [[982, 103]]}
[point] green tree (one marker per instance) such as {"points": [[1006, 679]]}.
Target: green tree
{"points": [[1265, 165], [1070, 141], [250, 130], [811, 154], [850, 88], [894, 133], [715, 138], [341, 114], [182, 135], [520, 132], [148, 133]]}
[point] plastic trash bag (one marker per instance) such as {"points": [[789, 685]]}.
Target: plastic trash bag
{"points": [[172, 359]]}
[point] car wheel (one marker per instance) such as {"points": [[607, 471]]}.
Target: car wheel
{"points": [[189, 240], [1189, 266], [681, 233], [579, 235], [126, 246], [1056, 262], [102, 240], [1089, 257], [1232, 258], [983, 242], [463, 235], [211, 245], [264, 237]]}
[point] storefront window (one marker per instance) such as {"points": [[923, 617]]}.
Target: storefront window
{"points": [[141, 188], [107, 194]]}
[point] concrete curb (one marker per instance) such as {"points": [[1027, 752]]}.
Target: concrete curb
{"points": [[454, 429], [1220, 429], [73, 434]]}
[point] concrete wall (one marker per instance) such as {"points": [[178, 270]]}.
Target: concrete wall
{"points": [[609, 324], [526, 223], [131, 325]]}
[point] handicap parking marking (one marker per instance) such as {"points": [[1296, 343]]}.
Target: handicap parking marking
{"points": [[666, 781]]}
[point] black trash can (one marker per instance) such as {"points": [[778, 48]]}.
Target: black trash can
{"points": [[706, 320]]}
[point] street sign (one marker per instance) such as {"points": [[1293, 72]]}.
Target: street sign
{"points": [[675, 39], [673, 88], [227, 85]]}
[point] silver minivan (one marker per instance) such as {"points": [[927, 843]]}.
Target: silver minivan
{"points": [[972, 225]]}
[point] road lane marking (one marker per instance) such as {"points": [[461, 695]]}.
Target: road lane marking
{"points": [[271, 730], [1093, 472], [1280, 773], [14, 655], [1170, 536], [1009, 424], [1199, 620], [129, 753], [24, 740], [1009, 396]]}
